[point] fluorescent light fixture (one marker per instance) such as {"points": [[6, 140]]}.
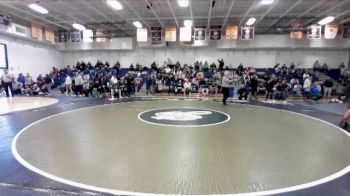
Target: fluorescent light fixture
{"points": [[251, 21], [79, 27], [38, 8], [326, 20], [188, 23], [137, 24], [183, 3], [267, 2], [115, 4]]}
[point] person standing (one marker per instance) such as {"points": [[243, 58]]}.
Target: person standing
{"points": [[226, 83], [68, 83], [221, 64], [328, 86], [7, 80], [78, 84], [254, 81]]}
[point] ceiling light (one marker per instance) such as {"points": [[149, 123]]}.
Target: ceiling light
{"points": [[251, 21], [38, 8], [267, 2], [79, 27], [115, 4], [188, 23], [183, 3], [326, 20], [137, 24]]}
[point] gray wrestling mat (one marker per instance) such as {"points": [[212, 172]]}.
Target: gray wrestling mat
{"points": [[184, 147]]}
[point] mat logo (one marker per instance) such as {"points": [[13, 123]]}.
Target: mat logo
{"points": [[180, 115], [183, 117]]}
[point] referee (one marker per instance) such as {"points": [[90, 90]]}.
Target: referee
{"points": [[226, 83]]}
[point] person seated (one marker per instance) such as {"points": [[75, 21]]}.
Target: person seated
{"points": [[178, 86], [28, 80], [40, 81], [203, 86], [297, 89], [21, 79], [36, 90], [315, 91], [17, 88], [243, 92], [280, 90]]}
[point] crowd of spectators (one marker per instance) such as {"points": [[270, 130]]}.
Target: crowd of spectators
{"points": [[105, 80]]}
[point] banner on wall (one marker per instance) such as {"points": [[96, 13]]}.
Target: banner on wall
{"points": [[141, 35], [19, 30], [215, 32], [49, 35], [170, 34], [346, 30], [75, 36], [185, 34], [200, 32], [62, 36], [314, 32], [296, 32], [247, 33], [296, 35], [331, 31], [101, 35], [88, 35], [156, 34], [37, 31], [231, 32]]}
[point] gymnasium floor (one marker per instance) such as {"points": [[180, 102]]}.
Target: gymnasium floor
{"points": [[129, 148]]}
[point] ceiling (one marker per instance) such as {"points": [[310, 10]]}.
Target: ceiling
{"points": [[97, 14]]}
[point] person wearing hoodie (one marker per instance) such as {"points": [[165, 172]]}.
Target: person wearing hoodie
{"points": [[226, 83]]}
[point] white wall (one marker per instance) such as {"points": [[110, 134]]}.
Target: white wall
{"points": [[259, 58], [31, 57]]}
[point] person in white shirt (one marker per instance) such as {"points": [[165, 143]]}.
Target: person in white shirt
{"points": [[307, 86], [226, 83], [68, 84], [115, 87], [187, 88], [78, 84], [6, 81]]}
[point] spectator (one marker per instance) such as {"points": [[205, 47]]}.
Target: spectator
{"points": [[78, 84], [68, 84], [254, 81], [6, 81], [48, 83], [328, 86], [28, 80], [40, 81], [221, 64], [307, 86], [317, 65]]}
